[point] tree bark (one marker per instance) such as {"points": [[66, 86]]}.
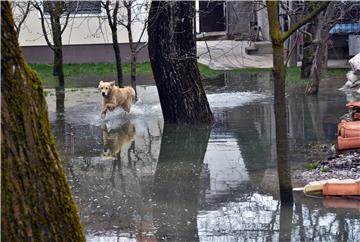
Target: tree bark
{"points": [[36, 202], [117, 57], [113, 21], [55, 15], [312, 88], [308, 47], [128, 7], [172, 52], [133, 72], [320, 45], [279, 73]]}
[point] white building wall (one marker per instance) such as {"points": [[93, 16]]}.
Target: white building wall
{"points": [[81, 29]]}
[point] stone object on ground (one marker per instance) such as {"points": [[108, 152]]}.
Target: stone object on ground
{"points": [[352, 82], [355, 64]]}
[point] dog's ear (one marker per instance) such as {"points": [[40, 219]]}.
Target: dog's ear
{"points": [[112, 83], [100, 83]]}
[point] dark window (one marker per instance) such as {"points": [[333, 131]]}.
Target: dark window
{"points": [[76, 7]]}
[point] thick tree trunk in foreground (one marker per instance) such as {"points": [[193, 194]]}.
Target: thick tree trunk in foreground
{"points": [[172, 51], [177, 181], [36, 202]]}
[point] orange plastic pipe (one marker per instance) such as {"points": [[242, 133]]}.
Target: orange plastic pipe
{"points": [[342, 189], [348, 143], [349, 129]]}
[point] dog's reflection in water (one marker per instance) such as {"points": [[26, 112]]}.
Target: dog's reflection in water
{"points": [[115, 139]]}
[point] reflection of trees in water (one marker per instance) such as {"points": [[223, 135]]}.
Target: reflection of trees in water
{"points": [[259, 217], [177, 182], [113, 193]]}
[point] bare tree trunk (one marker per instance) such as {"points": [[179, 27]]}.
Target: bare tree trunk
{"points": [[312, 88], [326, 55], [279, 73], [293, 43], [322, 35], [173, 60], [133, 72], [36, 202], [112, 20], [58, 68], [293, 51], [308, 52], [283, 166], [128, 7], [117, 57]]}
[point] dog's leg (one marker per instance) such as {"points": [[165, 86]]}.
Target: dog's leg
{"points": [[127, 106], [103, 113], [110, 107]]}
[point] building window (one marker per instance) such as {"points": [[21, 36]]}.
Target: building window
{"points": [[76, 7]]}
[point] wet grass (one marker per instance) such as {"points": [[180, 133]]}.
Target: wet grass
{"points": [[312, 165], [73, 70]]}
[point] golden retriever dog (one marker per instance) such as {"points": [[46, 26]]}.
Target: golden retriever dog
{"points": [[114, 140], [114, 97]]}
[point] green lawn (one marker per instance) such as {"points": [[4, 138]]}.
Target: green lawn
{"points": [[73, 70]]}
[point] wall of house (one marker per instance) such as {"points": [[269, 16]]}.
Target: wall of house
{"points": [[240, 14], [86, 39], [85, 53], [263, 21], [81, 30]]}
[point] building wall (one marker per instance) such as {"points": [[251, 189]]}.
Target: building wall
{"points": [[86, 39], [81, 30], [263, 21], [240, 14], [85, 53]]}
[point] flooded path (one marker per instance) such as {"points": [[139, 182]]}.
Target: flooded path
{"points": [[136, 179]]}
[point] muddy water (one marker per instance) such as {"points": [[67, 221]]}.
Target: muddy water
{"points": [[136, 179]]}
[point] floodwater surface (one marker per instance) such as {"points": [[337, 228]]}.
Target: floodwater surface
{"points": [[136, 179]]}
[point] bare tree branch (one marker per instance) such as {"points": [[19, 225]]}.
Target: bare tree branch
{"points": [[20, 18], [42, 17], [306, 19]]}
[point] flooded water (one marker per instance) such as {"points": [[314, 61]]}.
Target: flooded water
{"points": [[136, 179]]}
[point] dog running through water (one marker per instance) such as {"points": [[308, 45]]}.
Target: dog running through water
{"points": [[114, 97]]}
